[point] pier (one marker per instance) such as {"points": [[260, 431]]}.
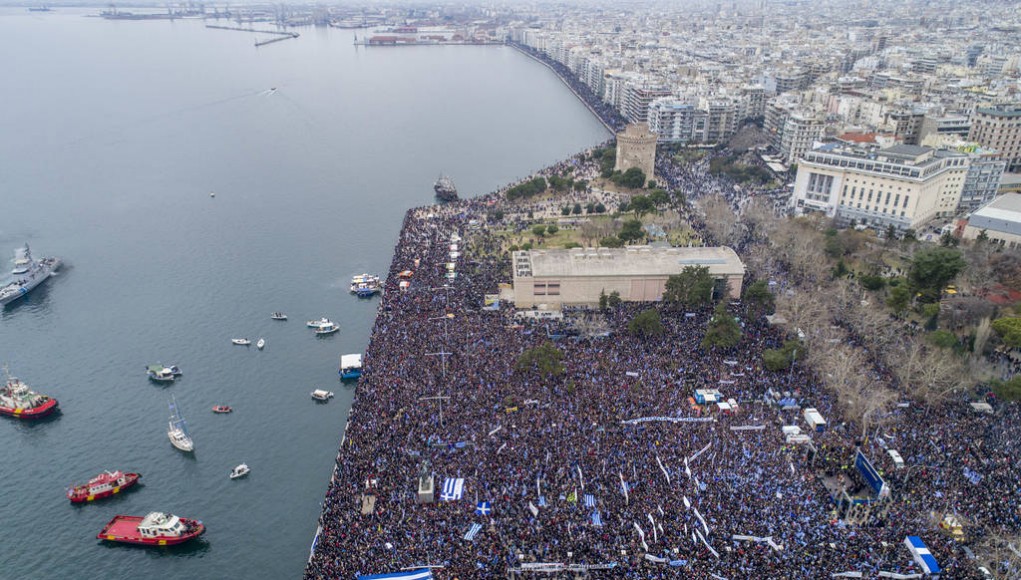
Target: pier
{"points": [[278, 39], [240, 29]]}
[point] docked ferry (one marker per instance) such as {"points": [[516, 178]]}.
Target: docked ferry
{"points": [[155, 529], [17, 400], [103, 485], [365, 285], [26, 275]]}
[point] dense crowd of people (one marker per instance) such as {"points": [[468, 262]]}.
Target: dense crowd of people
{"points": [[612, 462]]}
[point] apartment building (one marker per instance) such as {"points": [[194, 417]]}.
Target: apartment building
{"points": [[999, 128]]}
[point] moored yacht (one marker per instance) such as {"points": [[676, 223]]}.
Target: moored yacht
{"points": [[177, 430]]}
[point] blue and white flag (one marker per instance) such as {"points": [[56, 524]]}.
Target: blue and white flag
{"points": [[483, 509], [542, 501], [590, 500], [453, 489], [596, 520], [472, 532], [973, 476], [420, 574]]}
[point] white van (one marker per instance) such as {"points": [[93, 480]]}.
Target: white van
{"points": [[898, 461]]}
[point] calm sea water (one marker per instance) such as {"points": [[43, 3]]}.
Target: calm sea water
{"points": [[112, 136]]}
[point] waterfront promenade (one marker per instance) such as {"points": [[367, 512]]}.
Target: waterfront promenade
{"points": [[580, 469]]}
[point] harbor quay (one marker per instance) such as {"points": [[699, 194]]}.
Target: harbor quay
{"points": [[487, 442]]}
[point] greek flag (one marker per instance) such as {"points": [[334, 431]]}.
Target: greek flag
{"points": [[542, 501], [590, 500], [596, 520], [973, 476], [472, 532], [483, 509], [420, 574], [453, 489]]}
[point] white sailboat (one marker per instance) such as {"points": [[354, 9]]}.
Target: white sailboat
{"points": [[178, 430]]}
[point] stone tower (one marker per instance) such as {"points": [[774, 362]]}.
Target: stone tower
{"points": [[636, 147]]}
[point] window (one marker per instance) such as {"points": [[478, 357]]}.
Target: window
{"points": [[906, 198], [553, 289]]}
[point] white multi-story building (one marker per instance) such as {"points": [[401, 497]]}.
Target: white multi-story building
{"points": [[904, 186], [999, 128]]}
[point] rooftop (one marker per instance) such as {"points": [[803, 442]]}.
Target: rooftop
{"points": [[632, 261]]}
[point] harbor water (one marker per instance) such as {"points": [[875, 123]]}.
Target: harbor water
{"points": [[113, 135]]}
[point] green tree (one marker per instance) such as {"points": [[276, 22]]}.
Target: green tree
{"points": [[545, 359], [870, 282], [576, 210], [900, 297], [1008, 390], [723, 330], [631, 231], [580, 185], [948, 240], [692, 287], [834, 245], [646, 324], [552, 229], [652, 184], [613, 300], [758, 298], [566, 210], [611, 242], [590, 208], [539, 230], [778, 359], [1009, 330], [982, 236], [603, 300], [934, 268], [600, 208], [659, 197], [642, 205], [632, 178], [942, 339]]}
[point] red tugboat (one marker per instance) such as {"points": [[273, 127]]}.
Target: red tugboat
{"points": [[103, 485], [155, 529], [17, 400]]}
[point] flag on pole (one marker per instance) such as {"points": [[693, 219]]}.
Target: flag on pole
{"points": [[590, 500], [484, 508], [542, 501], [596, 520], [453, 489], [472, 532], [572, 497], [533, 509]]}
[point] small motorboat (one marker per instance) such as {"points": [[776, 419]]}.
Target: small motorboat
{"points": [[322, 395], [175, 370], [161, 374], [317, 323], [239, 471], [278, 316], [103, 485], [241, 341], [327, 328], [222, 409], [350, 366], [260, 344]]}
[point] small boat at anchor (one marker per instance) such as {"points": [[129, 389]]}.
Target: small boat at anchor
{"points": [[350, 366], [239, 471], [155, 529], [278, 316], [161, 374], [222, 409], [240, 341], [102, 486], [262, 343], [316, 323], [327, 328], [322, 395], [177, 430]]}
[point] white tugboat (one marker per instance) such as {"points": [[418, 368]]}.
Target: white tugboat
{"points": [[322, 395]]}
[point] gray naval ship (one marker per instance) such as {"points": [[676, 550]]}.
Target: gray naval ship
{"points": [[26, 275]]}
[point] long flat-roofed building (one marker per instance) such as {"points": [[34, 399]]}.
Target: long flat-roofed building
{"points": [[1000, 220], [577, 277]]}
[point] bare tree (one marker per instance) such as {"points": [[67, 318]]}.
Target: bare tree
{"points": [[1001, 555], [859, 398], [720, 220], [927, 373]]}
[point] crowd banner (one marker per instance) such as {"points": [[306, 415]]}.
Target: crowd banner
{"points": [[668, 420], [663, 469], [700, 452], [921, 555], [419, 574]]}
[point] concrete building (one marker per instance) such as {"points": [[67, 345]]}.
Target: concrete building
{"points": [[999, 128], [636, 147], [673, 120], [943, 125], [904, 186], [800, 131], [1000, 219], [636, 100], [576, 277]]}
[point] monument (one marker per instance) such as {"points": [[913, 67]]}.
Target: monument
{"points": [[636, 147], [426, 486]]}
